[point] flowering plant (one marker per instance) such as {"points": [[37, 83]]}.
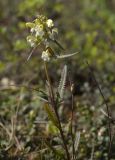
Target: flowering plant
{"points": [[43, 31]]}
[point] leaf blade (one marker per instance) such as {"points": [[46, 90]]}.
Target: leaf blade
{"points": [[51, 114]]}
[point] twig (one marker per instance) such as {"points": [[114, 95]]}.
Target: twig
{"points": [[111, 118], [58, 44], [72, 118], [92, 152], [107, 107]]}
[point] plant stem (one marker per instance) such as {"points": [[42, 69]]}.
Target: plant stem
{"points": [[72, 119], [56, 111], [72, 126]]}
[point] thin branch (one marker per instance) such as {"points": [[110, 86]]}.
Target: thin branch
{"points": [[111, 118], [107, 107], [7, 131], [72, 118], [58, 44], [31, 52], [18, 86], [92, 151]]}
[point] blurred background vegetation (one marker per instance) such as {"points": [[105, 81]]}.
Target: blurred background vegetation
{"points": [[87, 26]]}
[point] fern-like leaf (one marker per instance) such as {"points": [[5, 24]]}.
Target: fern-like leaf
{"points": [[62, 82]]}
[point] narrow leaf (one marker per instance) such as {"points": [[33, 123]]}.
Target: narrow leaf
{"points": [[66, 55], [29, 24], [62, 82], [58, 44], [77, 139], [51, 114], [43, 96]]}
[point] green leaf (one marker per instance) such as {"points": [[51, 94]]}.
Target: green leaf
{"points": [[51, 114], [43, 96], [29, 24], [52, 129]]}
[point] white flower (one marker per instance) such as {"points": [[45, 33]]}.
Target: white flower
{"points": [[39, 31], [31, 42], [53, 33], [32, 30], [45, 55], [49, 23], [101, 131], [46, 43]]}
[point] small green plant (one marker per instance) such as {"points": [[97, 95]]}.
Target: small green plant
{"points": [[43, 32], [64, 125]]}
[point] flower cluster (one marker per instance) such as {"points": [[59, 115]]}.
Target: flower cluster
{"points": [[42, 31], [46, 55]]}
